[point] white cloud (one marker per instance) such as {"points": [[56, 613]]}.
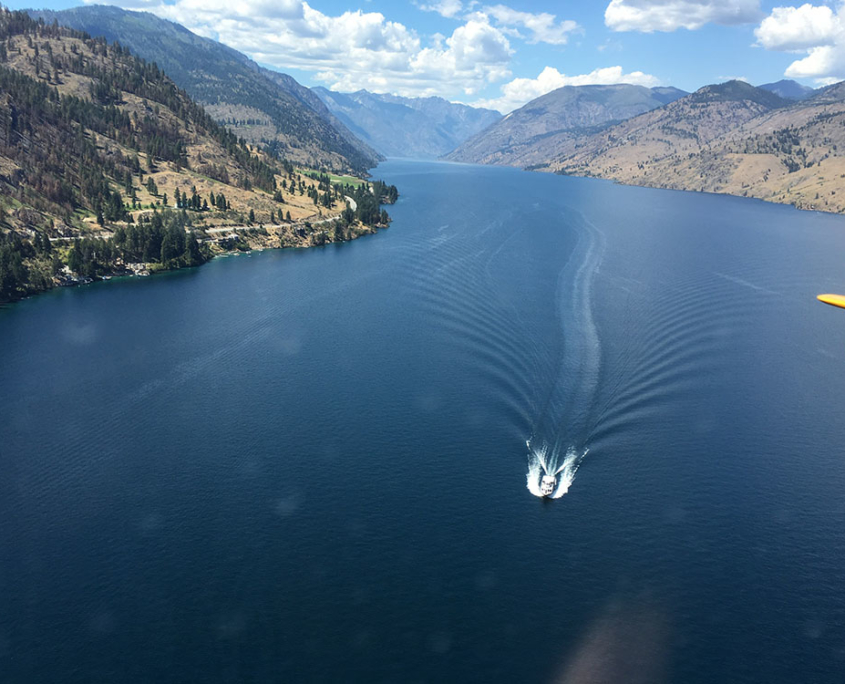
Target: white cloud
{"points": [[353, 50], [445, 8], [824, 63], [669, 15], [799, 28], [520, 91], [542, 27], [817, 30]]}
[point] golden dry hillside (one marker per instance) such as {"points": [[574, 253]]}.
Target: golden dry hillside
{"points": [[733, 139]]}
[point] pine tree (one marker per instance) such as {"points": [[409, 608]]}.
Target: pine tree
{"points": [[193, 256]]}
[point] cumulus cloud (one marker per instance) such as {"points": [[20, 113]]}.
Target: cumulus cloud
{"points": [[799, 28], [445, 8], [542, 27], [816, 30], [520, 91], [648, 16], [350, 51]]}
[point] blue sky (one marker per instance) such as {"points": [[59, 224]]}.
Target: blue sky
{"points": [[502, 54]]}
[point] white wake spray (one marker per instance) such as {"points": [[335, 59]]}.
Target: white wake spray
{"points": [[542, 462], [565, 417]]}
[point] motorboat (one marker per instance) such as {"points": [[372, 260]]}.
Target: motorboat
{"points": [[547, 485]]}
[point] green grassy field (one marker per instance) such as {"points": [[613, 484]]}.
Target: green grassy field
{"points": [[350, 180], [333, 178]]}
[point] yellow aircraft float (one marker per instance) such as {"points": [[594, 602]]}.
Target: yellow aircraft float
{"points": [[832, 299]]}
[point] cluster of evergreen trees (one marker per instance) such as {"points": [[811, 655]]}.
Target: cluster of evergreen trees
{"points": [[158, 239], [785, 143], [26, 266], [274, 218], [368, 200], [386, 194], [325, 198], [197, 203]]}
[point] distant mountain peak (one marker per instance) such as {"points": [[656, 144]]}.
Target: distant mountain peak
{"points": [[400, 126], [789, 89], [535, 132], [737, 91]]}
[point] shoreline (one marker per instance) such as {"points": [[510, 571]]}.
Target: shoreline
{"points": [[172, 240], [780, 200], [309, 240]]}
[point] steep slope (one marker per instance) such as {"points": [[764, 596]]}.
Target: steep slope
{"points": [[644, 145], [259, 105], [731, 138], [407, 127], [97, 146], [544, 127], [81, 114], [789, 90]]}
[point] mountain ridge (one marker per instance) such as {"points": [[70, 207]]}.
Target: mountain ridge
{"points": [[729, 138], [264, 107], [789, 89], [542, 127], [407, 127]]}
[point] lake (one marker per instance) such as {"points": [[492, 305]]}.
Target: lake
{"points": [[316, 465]]}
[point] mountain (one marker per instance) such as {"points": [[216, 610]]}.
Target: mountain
{"points": [[667, 94], [832, 94], [543, 128], [730, 138], [407, 127], [260, 105], [81, 115], [649, 145], [97, 149], [789, 90]]}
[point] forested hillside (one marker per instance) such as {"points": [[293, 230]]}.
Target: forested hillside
{"points": [[107, 166], [265, 108]]}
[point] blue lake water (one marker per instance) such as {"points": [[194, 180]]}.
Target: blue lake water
{"points": [[311, 465]]}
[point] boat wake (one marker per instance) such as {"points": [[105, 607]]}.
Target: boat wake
{"points": [[566, 418], [563, 466]]}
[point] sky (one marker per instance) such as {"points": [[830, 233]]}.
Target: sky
{"points": [[508, 52]]}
